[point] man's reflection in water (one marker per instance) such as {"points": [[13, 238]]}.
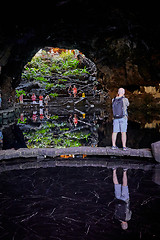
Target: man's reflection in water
{"points": [[122, 211]]}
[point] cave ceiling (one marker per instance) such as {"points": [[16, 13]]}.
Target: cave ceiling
{"points": [[122, 39]]}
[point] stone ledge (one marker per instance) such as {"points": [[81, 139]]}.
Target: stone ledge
{"points": [[41, 153], [156, 150]]}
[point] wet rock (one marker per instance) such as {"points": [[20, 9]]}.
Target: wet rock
{"points": [[84, 76], [156, 150], [156, 175], [13, 138], [29, 86]]}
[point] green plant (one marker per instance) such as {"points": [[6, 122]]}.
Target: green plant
{"points": [[66, 55], [41, 79], [77, 71], [20, 92], [44, 69], [35, 62], [62, 80], [49, 85], [22, 122], [70, 64], [53, 95], [59, 86], [77, 135], [55, 117], [55, 68], [29, 73]]}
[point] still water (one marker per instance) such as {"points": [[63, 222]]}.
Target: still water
{"points": [[65, 125], [78, 203]]}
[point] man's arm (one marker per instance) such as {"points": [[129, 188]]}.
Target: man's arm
{"points": [[126, 102]]}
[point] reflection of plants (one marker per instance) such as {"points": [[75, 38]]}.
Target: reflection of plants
{"points": [[22, 122], [77, 135], [53, 134]]}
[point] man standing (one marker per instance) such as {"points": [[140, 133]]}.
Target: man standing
{"points": [[120, 118]]}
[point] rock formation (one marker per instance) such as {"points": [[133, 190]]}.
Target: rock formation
{"points": [[122, 40]]}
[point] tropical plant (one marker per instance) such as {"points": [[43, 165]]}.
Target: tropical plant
{"points": [[53, 95], [77, 71], [22, 122], [20, 92], [66, 55]]}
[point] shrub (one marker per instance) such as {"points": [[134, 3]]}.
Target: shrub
{"points": [[66, 55], [55, 68], [20, 92]]}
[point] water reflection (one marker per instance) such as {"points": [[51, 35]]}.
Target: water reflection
{"points": [[61, 124], [77, 203], [122, 205]]}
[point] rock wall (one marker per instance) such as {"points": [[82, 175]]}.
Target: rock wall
{"points": [[122, 40]]}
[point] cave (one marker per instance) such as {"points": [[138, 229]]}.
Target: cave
{"points": [[121, 39], [55, 197]]}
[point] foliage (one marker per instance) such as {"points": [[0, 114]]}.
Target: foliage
{"points": [[53, 95], [55, 68], [77, 135], [42, 67], [20, 92], [62, 80], [54, 117], [66, 56], [50, 71], [70, 64], [22, 122], [54, 133], [77, 71], [49, 86], [29, 73], [41, 79]]}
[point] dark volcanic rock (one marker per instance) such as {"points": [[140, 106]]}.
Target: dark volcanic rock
{"points": [[122, 40], [156, 150], [29, 86]]}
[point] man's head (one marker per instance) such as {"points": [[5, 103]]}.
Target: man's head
{"points": [[121, 91], [124, 225]]}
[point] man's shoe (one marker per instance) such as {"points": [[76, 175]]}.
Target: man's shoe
{"points": [[114, 148], [125, 149], [125, 169]]}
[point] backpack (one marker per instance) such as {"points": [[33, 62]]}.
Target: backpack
{"points": [[117, 107]]}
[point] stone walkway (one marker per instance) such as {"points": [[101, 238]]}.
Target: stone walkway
{"points": [[41, 153]]}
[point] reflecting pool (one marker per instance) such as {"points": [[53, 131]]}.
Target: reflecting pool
{"points": [[79, 203], [57, 126]]}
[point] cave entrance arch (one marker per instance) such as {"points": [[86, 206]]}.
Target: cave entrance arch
{"points": [[52, 68], [68, 99]]}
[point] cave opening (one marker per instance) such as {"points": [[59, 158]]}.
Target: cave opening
{"points": [[60, 101], [58, 117]]}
